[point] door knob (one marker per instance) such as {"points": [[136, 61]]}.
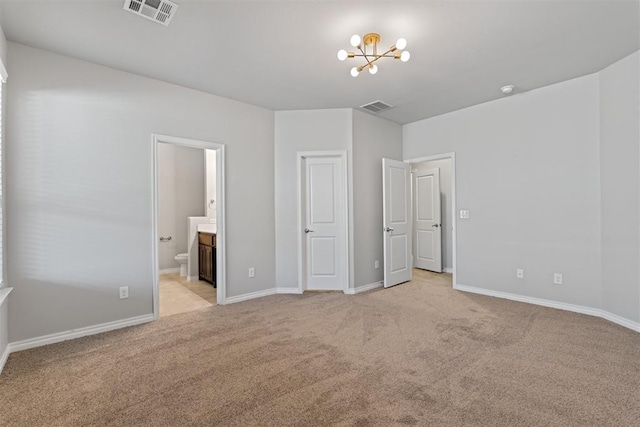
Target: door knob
{"points": [[436, 225], [388, 229], [306, 230]]}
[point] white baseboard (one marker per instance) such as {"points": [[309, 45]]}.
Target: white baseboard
{"points": [[250, 295], [288, 291], [448, 270], [192, 278], [260, 294], [364, 288], [635, 326], [5, 356], [169, 270], [77, 333], [619, 320]]}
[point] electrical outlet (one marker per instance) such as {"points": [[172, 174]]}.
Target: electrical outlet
{"points": [[376, 264], [464, 214], [252, 272], [520, 273], [557, 278], [124, 292]]}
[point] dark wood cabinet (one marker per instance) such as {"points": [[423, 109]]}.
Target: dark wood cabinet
{"points": [[207, 257]]}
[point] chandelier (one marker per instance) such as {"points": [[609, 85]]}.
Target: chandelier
{"points": [[368, 47]]}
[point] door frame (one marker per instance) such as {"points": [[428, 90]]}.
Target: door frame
{"points": [[300, 157], [454, 225], [221, 243]]}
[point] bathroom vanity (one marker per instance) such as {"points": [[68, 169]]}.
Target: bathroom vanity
{"points": [[207, 257]]}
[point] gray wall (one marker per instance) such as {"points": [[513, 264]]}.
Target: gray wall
{"points": [[79, 188], [310, 130], [446, 205], [3, 48], [4, 307], [620, 191], [527, 168], [4, 330], [181, 194], [373, 139]]}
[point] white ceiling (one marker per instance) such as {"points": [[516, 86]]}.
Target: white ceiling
{"points": [[282, 54]]}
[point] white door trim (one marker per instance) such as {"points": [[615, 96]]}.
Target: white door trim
{"points": [[221, 274], [454, 217], [300, 156]]}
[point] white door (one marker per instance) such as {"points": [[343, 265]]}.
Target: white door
{"points": [[325, 223], [427, 228], [396, 191]]}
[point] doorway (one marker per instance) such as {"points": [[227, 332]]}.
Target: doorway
{"points": [[323, 256], [210, 222], [430, 175]]}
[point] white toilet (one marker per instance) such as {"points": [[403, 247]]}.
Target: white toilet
{"points": [[182, 260]]}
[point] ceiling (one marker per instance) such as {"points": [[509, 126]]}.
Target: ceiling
{"points": [[281, 55]]}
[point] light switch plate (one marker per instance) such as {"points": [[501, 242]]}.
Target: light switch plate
{"points": [[464, 214]]}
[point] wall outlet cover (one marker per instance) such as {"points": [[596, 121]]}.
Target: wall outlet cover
{"points": [[520, 273], [464, 214], [124, 292], [557, 278]]}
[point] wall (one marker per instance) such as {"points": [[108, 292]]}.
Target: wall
{"points": [[310, 130], [181, 182], [4, 305], [79, 190], [373, 139], [3, 49], [446, 205], [620, 190], [527, 168]]}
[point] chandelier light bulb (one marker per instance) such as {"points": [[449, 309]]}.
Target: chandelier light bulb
{"points": [[404, 57], [401, 43], [355, 40], [373, 69], [355, 72], [342, 55]]}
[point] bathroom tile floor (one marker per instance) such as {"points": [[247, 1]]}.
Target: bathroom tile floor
{"points": [[177, 295]]}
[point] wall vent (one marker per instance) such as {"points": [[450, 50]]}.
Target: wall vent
{"points": [[376, 106], [160, 11]]}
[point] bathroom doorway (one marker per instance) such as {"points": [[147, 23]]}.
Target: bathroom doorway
{"points": [[188, 214]]}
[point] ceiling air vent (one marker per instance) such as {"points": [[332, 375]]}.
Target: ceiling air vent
{"points": [[160, 11], [376, 106]]}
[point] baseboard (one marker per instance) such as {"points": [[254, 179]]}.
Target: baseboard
{"points": [[193, 278], [169, 270], [5, 356], [635, 326], [288, 291], [619, 320], [77, 333], [250, 295], [364, 288], [447, 270]]}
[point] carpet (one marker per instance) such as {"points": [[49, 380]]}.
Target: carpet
{"points": [[416, 354]]}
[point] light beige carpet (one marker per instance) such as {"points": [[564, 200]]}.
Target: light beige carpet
{"points": [[176, 298], [416, 354]]}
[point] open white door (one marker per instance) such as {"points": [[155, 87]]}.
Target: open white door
{"points": [[396, 193], [427, 220]]}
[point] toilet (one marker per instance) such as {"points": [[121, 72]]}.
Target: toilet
{"points": [[182, 260]]}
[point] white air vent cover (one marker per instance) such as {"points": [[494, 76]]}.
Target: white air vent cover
{"points": [[376, 106], [160, 11]]}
